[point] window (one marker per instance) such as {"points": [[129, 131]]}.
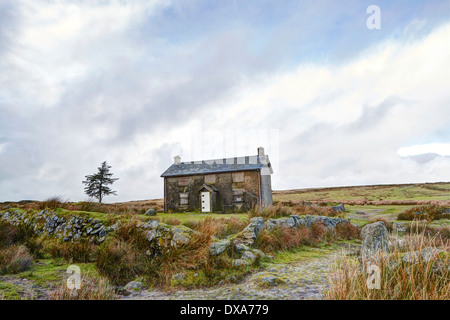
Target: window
{"points": [[184, 199], [238, 195]]}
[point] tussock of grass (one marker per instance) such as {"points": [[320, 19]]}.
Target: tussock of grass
{"points": [[81, 250], [14, 259], [90, 289], [285, 238], [220, 227], [424, 279], [14, 256], [53, 202]]}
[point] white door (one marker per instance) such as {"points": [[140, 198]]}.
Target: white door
{"points": [[206, 204]]}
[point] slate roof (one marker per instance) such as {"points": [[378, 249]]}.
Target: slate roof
{"points": [[219, 166]]}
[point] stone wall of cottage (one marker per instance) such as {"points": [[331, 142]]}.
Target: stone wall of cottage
{"points": [[236, 191]]}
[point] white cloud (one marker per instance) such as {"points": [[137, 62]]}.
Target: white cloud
{"points": [[442, 149], [86, 83], [344, 124]]}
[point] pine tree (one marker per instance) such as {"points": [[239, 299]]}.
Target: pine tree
{"points": [[97, 184]]}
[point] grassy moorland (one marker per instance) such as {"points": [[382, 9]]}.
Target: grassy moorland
{"points": [[34, 266], [378, 195]]}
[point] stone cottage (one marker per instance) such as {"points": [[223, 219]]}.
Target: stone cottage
{"points": [[220, 185]]}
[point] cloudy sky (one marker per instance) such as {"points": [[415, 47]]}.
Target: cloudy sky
{"points": [[135, 83]]}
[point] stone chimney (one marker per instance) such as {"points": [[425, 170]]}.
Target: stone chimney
{"points": [[260, 151], [176, 160]]}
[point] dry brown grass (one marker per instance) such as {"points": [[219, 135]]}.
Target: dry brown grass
{"points": [[130, 255], [285, 209], [90, 289], [220, 227], [284, 238], [81, 250], [190, 256], [14, 259], [118, 261], [428, 213], [53, 202], [424, 279]]}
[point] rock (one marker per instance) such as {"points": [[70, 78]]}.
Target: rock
{"points": [[93, 232], [150, 212], [251, 232], [287, 222], [271, 223], [241, 263], [424, 255], [179, 238], [398, 228], [179, 276], [339, 208], [248, 255], [375, 238], [259, 253], [218, 247], [97, 226], [241, 247], [152, 224], [133, 286], [269, 280], [152, 234]]}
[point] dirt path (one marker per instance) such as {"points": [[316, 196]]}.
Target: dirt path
{"points": [[302, 279]]}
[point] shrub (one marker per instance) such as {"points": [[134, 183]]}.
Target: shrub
{"points": [[118, 262], [14, 259], [283, 238], [9, 234], [21, 234], [189, 256], [347, 231], [81, 250]]}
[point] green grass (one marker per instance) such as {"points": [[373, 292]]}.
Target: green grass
{"points": [[11, 292], [47, 272], [306, 254]]}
